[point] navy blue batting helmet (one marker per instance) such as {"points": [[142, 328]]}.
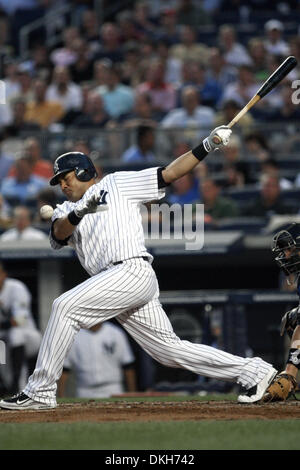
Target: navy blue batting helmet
{"points": [[73, 161]]}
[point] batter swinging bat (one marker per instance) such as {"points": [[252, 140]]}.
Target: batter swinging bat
{"points": [[269, 84]]}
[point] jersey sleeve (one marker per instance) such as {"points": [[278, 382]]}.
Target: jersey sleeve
{"points": [[61, 210], [139, 186]]}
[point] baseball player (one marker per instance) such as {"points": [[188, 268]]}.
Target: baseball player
{"points": [[101, 359], [17, 326], [101, 221], [286, 248]]}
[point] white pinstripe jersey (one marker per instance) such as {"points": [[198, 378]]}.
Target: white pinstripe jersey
{"points": [[15, 299], [116, 234]]}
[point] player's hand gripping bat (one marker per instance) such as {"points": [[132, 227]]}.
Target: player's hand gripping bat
{"points": [[268, 86]]}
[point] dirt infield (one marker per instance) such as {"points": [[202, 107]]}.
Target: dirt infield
{"points": [[153, 411]]}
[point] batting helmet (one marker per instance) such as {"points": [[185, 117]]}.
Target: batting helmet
{"points": [[73, 161], [288, 239]]}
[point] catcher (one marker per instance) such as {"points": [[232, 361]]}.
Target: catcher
{"points": [[286, 248]]}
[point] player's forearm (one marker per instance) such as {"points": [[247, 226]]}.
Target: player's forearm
{"points": [[180, 167], [62, 228]]}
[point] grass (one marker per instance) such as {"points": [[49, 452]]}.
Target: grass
{"points": [[175, 435], [183, 435]]}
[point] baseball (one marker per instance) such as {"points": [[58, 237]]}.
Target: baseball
{"points": [[46, 212]]}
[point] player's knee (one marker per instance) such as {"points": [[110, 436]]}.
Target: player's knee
{"points": [[61, 305]]}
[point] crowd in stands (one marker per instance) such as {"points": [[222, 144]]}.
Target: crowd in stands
{"points": [[145, 84]]}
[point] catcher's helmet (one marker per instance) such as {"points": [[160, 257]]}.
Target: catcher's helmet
{"points": [[287, 239], [73, 161]]}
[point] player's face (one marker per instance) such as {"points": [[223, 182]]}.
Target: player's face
{"points": [[72, 187]]}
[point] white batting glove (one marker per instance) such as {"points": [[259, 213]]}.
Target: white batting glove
{"points": [[90, 206], [217, 138]]}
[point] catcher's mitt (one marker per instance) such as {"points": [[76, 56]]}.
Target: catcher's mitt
{"points": [[281, 388]]}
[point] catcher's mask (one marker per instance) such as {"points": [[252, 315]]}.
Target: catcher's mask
{"points": [[286, 248], [73, 161]]}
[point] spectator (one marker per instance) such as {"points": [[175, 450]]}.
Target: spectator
{"points": [[191, 13], [256, 147], [118, 99], [5, 214], [216, 206], [24, 186], [244, 88], [210, 91], [25, 81], [258, 55], [100, 72], [90, 30], [42, 111], [193, 117], [233, 159], [228, 111], [39, 166], [6, 161], [173, 66], [169, 29], [142, 112], [94, 115], [189, 48], [62, 90], [18, 123], [127, 27], [270, 201], [131, 70], [12, 86], [143, 21], [142, 152], [218, 69], [110, 40], [82, 69], [40, 63], [234, 52], [163, 94], [17, 326], [288, 111], [102, 361], [271, 167], [274, 43], [22, 227], [65, 55]]}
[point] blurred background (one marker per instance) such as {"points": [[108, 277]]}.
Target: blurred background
{"points": [[135, 84]]}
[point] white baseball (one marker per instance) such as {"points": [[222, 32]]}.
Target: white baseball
{"points": [[46, 212]]}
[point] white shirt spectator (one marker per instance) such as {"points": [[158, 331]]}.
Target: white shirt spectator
{"points": [[202, 117], [97, 359], [238, 55], [29, 233], [71, 100]]}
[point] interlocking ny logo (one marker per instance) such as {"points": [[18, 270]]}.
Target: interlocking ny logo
{"points": [[2, 92], [2, 353]]}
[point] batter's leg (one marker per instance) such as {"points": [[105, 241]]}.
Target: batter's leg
{"points": [[97, 299], [152, 330]]}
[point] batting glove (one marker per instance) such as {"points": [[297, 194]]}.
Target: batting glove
{"points": [[90, 206], [217, 138]]}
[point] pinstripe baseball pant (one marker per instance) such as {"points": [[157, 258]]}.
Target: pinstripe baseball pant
{"points": [[129, 292]]}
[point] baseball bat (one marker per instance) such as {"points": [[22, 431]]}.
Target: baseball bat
{"points": [[287, 65]]}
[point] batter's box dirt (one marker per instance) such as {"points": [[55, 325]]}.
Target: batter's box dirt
{"points": [[153, 411]]}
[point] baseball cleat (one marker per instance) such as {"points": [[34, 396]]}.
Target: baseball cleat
{"points": [[23, 402], [256, 393]]}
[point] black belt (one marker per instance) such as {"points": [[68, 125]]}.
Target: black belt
{"points": [[145, 258]]}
